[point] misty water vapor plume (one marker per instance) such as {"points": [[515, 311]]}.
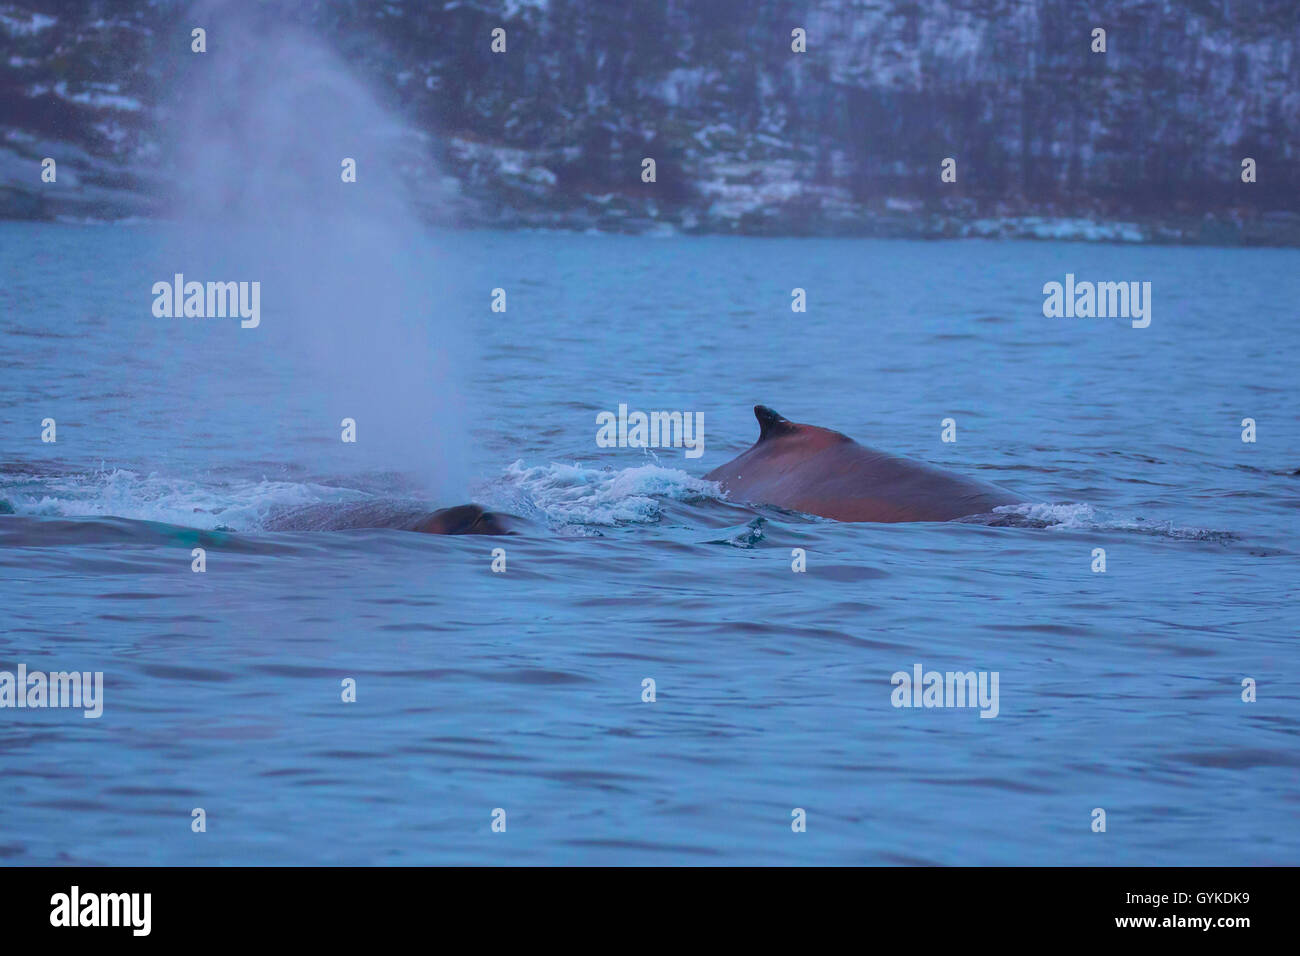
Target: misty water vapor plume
{"points": [[354, 318]]}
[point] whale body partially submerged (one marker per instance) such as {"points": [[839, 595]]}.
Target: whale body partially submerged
{"points": [[822, 472], [461, 519]]}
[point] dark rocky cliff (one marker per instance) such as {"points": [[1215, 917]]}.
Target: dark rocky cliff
{"points": [[1143, 142]]}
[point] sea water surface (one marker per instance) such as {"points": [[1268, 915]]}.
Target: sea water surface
{"points": [[522, 691]]}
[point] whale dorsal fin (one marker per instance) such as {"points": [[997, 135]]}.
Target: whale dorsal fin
{"points": [[771, 423]]}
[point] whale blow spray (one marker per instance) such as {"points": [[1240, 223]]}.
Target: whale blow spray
{"points": [[289, 173]]}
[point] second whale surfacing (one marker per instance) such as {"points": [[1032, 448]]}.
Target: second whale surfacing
{"points": [[822, 472], [461, 519]]}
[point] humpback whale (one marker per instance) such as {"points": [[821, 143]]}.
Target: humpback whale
{"points": [[461, 519], [822, 472]]}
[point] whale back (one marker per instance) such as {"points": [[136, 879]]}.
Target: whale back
{"points": [[395, 515], [824, 472], [463, 519]]}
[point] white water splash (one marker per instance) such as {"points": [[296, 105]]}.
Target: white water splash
{"points": [[235, 506], [1084, 517], [578, 495]]}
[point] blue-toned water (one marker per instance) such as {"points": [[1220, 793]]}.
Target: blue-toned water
{"points": [[523, 690]]}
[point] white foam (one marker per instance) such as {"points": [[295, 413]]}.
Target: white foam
{"points": [[1063, 516], [563, 495], [1084, 517], [575, 494], [239, 506]]}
